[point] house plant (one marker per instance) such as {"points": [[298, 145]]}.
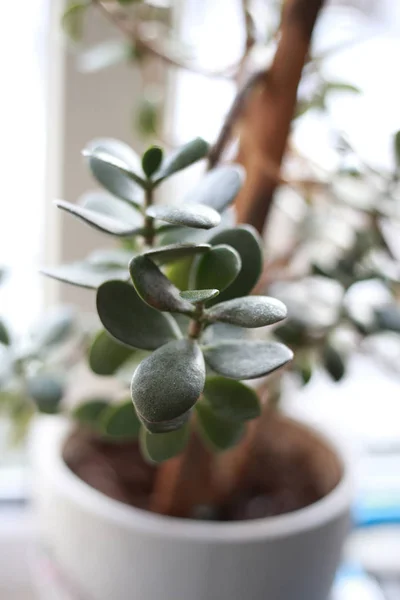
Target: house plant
{"points": [[181, 416]]}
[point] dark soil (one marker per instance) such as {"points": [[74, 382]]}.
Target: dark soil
{"points": [[287, 470]]}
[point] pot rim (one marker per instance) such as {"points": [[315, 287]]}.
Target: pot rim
{"points": [[47, 442]]}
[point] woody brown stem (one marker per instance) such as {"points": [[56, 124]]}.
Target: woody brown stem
{"points": [[268, 112]]}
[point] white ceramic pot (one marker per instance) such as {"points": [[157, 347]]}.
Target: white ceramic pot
{"points": [[111, 551]]}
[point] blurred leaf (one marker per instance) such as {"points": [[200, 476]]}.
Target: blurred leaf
{"points": [[168, 383], [196, 296], [333, 362], [57, 326], [341, 86], [219, 187], [112, 258], [106, 54], [152, 160], [121, 422], [231, 399], [221, 434], [397, 148], [102, 222], [246, 241], [189, 215], [130, 320], [106, 355], [72, 19], [175, 252], [4, 334], [158, 447], [147, 117], [185, 156], [155, 288], [388, 317], [216, 269], [292, 333], [91, 413], [110, 206], [246, 359], [46, 391], [165, 426], [84, 274], [251, 311]]}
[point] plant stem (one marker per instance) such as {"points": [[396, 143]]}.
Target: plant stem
{"points": [[149, 221]]}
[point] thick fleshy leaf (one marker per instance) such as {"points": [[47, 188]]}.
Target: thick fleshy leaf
{"points": [[152, 160], [179, 273], [112, 258], [55, 328], [251, 311], [46, 391], [106, 355], [189, 215], [108, 205], [165, 426], [158, 447], [182, 158], [216, 269], [115, 176], [231, 399], [102, 222], [219, 187], [5, 337], [167, 384], [174, 252], [155, 288], [130, 320], [333, 362], [246, 241], [196, 296], [120, 421], [91, 413], [221, 434], [246, 359], [84, 274]]}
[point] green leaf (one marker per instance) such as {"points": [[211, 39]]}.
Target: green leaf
{"points": [[152, 160], [106, 355], [189, 215], [84, 274], [56, 328], [231, 399], [130, 320], [182, 158], [102, 222], [158, 447], [106, 54], [110, 206], [196, 296], [46, 391], [251, 311], [155, 288], [292, 333], [333, 362], [178, 273], [246, 359], [91, 413], [165, 426], [120, 421], [4, 334], [219, 187], [175, 252], [216, 269], [305, 370], [168, 383], [221, 434], [246, 241], [341, 86], [115, 176], [147, 117], [72, 19]]}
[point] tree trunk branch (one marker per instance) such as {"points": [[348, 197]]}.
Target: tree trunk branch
{"points": [[266, 117]]}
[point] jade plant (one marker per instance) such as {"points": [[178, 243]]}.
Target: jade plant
{"points": [[188, 342]]}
